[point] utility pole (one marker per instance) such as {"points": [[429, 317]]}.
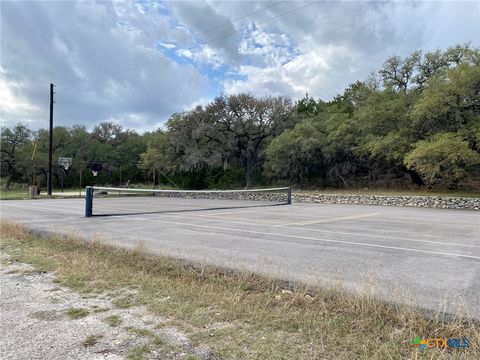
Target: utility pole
{"points": [[50, 144]]}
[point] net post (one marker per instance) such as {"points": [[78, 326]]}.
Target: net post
{"points": [[289, 196], [88, 201]]}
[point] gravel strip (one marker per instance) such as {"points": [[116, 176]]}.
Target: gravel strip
{"points": [[34, 323]]}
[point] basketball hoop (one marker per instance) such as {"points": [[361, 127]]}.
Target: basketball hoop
{"points": [[65, 162], [96, 168]]}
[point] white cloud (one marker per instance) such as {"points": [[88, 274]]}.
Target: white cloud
{"points": [[167, 45], [123, 60], [311, 72], [12, 102], [104, 67]]}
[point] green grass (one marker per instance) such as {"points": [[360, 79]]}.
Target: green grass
{"points": [[22, 194], [91, 340], [113, 320], [77, 313], [242, 315], [15, 194], [138, 352]]}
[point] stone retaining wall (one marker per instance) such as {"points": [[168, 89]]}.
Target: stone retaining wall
{"points": [[445, 202]]}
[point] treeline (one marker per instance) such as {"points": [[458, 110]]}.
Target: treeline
{"points": [[415, 122]]}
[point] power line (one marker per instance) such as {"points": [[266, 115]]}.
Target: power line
{"points": [[216, 38], [192, 37], [239, 18], [38, 137]]}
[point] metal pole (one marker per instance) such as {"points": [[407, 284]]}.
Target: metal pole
{"points": [[88, 201], [50, 144], [289, 198], [63, 170], [81, 172]]}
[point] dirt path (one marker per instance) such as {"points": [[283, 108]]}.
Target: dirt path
{"points": [[40, 320]]}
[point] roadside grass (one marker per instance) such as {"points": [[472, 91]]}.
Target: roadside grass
{"points": [[113, 320], [91, 340], [14, 194], [22, 194], [242, 315], [138, 352], [77, 313]]}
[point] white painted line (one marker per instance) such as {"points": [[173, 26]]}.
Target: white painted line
{"points": [[410, 222], [209, 219], [335, 219], [242, 212], [350, 233], [308, 238], [384, 237], [267, 222]]}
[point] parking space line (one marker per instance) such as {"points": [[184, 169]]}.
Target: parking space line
{"points": [[385, 237], [244, 211], [268, 222], [307, 238], [335, 219]]}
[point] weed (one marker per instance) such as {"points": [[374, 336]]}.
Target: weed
{"points": [[91, 340], [113, 320], [138, 352], [242, 315], [77, 313]]}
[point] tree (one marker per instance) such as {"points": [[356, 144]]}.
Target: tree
{"points": [[384, 127], [308, 106], [449, 102], [158, 155], [228, 130], [398, 72], [297, 153], [12, 143], [243, 123], [462, 54], [108, 132], [444, 158], [432, 64]]}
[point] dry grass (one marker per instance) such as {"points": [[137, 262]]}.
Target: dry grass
{"points": [[77, 313], [113, 320], [241, 315], [91, 340]]}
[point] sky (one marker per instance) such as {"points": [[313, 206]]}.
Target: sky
{"points": [[138, 62]]}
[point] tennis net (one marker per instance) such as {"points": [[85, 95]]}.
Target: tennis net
{"points": [[110, 201]]}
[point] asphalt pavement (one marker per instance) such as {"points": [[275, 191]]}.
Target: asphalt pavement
{"points": [[429, 257]]}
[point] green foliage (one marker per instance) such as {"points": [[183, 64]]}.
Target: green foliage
{"points": [[297, 153], [446, 157], [308, 106], [91, 340], [230, 130], [391, 147], [15, 145], [422, 123], [77, 313], [383, 122], [450, 101]]}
